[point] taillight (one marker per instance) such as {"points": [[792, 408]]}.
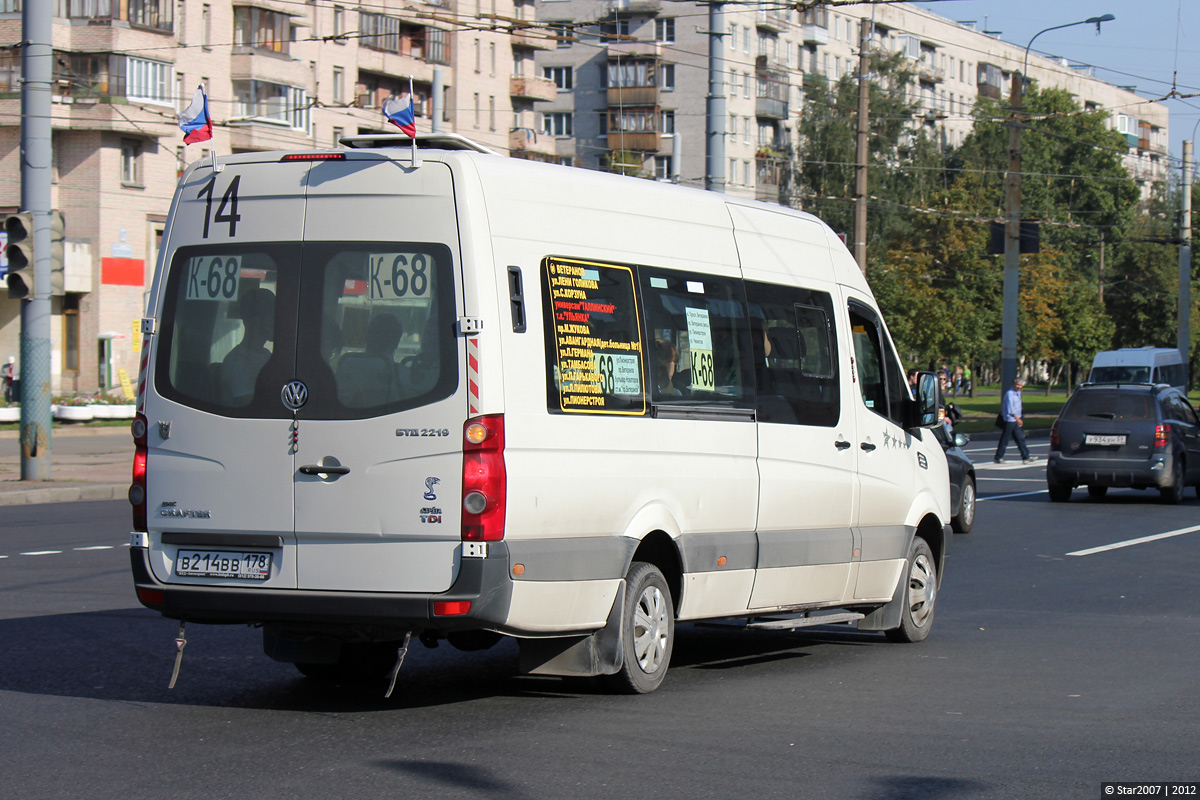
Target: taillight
{"points": [[485, 482], [1054, 436], [137, 490], [1162, 434], [451, 608]]}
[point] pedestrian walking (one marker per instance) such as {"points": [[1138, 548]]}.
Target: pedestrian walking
{"points": [[1014, 423], [7, 371]]}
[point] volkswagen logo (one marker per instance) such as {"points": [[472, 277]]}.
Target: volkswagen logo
{"points": [[294, 395]]}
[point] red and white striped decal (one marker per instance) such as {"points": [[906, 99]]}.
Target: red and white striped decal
{"points": [[473, 376], [142, 375]]}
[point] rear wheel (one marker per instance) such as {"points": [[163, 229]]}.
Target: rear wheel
{"points": [[1059, 492], [1173, 494], [648, 631], [920, 595], [1097, 491], [965, 518]]}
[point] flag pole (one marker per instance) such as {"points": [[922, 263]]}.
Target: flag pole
{"points": [[412, 99]]}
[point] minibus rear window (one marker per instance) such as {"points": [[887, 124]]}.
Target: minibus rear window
{"points": [[228, 328]]}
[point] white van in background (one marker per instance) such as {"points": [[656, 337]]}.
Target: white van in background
{"points": [[464, 396], [1139, 365]]}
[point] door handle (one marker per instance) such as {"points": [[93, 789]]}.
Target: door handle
{"points": [[841, 444], [320, 469], [867, 447]]}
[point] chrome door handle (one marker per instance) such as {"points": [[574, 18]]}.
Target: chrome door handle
{"points": [[320, 469]]}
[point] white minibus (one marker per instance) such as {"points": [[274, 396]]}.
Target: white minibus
{"points": [[1139, 365], [463, 397]]}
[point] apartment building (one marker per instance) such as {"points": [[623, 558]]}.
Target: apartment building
{"points": [[600, 84], [279, 74], [639, 72]]}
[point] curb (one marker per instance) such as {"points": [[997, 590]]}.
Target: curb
{"points": [[64, 494]]}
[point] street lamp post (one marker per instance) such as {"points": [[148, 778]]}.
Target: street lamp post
{"points": [[1012, 227]]}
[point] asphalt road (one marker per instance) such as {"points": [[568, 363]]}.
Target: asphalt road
{"points": [[1047, 673]]}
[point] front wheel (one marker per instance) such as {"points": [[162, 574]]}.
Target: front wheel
{"points": [[647, 631], [920, 595], [965, 518]]}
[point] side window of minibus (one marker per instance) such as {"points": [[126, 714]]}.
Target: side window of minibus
{"points": [[880, 378], [794, 343], [699, 339]]}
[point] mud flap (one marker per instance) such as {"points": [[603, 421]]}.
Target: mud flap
{"points": [[887, 617], [600, 653]]}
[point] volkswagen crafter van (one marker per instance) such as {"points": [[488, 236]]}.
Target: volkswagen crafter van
{"points": [[464, 397]]}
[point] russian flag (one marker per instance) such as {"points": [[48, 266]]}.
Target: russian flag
{"points": [[399, 111], [195, 121]]}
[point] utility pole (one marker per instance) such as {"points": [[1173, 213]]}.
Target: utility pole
{"points": [[715, 121], [1012, 238], [37, 71], [861, 145], [1185, 262]]}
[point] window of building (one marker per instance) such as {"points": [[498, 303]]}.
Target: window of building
{"points": [[562, 33], [667, 76], [131, 166], [438, 49], [476, 97], [631, 74], [338, 133], [379, 32], [339, 85], [664, 30], [733, 171], [70, 331], [745, 38], [733, 36], [339, 23], [157, 15], [491, 112], [154, 14], [271, 102], [206, 26], [492, 59], [563, 77], [632, 120], [558, 123], [614, 30], [668, 122], [148, 81], [261, 29], [662, 168]]}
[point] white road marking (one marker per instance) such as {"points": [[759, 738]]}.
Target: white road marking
{"points": [[43, 553], [1006, 496], [1132, 542], [97, 547]]}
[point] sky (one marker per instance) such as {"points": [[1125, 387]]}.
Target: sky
{"points": [[1147, 43]]}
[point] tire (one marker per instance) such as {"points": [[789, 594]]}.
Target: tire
{"points": [[647, 631], [1097, 492], [1059, 492], [1173, 494], [965, 518], [920, 595]]}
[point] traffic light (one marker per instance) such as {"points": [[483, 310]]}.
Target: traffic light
{"points": [[19, 252], [58, 238], [21, 256]]}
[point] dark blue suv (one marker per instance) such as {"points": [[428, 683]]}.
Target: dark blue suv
{"points": [[1133, 435]]}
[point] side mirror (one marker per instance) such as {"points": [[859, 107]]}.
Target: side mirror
{"points": [[961, 440], [928, 393]]}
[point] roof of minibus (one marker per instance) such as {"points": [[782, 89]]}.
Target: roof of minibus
{"points": [[573, 188]]}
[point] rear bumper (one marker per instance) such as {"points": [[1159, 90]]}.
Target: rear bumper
{"points": [[1154, 471], [485, 582]]}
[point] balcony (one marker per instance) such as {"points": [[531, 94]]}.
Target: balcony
{"points": [[639, 141], [771, 20], [928, 74], [624, 7], [633, 96], [529, 88], [770, 108], [528, 143], [988, 90], [815, 34], [533, 39]]}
